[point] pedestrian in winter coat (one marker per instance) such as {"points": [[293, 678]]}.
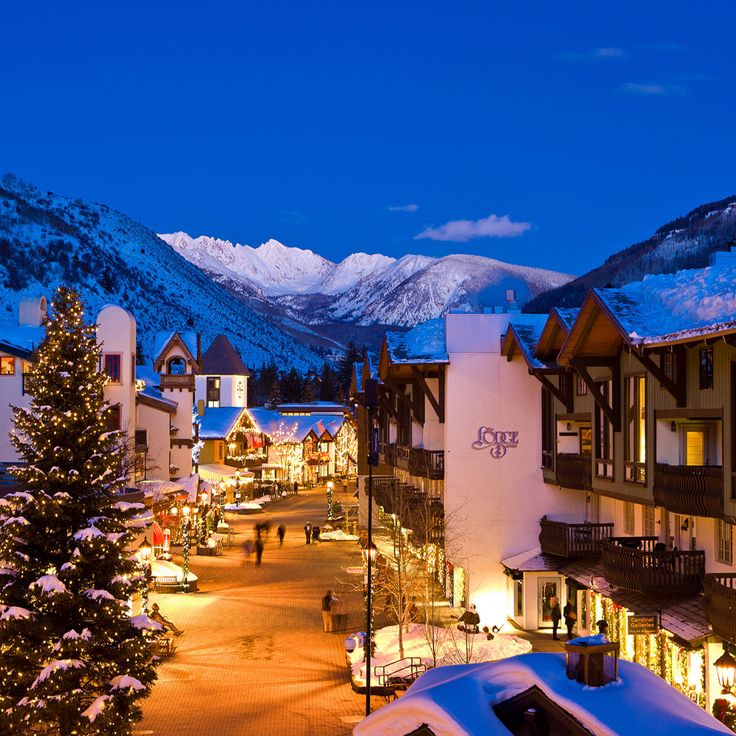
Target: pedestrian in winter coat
{"points": [[296, 488], [555, 613], [329, 599], [281, 531], [308, 532], [570, 618], [315, 533], [259, 550]]}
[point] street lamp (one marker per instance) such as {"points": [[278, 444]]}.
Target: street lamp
{"points": [[726, 670], [330, 488], [185, 510], [237, 487], [144, 554]]}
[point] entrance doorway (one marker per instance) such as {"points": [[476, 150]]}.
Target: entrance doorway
{"points": [[547, 588]]}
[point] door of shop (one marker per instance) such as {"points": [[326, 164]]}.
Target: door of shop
{"points": [[547, 588]]}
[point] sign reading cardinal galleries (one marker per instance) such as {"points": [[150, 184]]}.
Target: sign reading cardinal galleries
{"points": [[638, 625], [497, 441]]}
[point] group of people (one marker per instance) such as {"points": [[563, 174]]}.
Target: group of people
{"points": [[261, 531], [556, 614], [311, 533]]}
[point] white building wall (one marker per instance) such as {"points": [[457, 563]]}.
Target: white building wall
{"points": [[11, 393], [233, 390], [156, 423], [493, 505], [116, 332]]}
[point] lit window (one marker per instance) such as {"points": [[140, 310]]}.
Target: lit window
{"points": [[581, 388], [7, 366], [629, 512], [724, 541], [635, 438], [648, 521], [111, 366]]}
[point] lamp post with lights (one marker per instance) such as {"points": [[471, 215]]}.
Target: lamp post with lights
{"points": [[145, 555]]}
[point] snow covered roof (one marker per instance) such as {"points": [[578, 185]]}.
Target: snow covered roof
{"points": [[316, 407], [294, 427], [424, 343], [20, 340], [217, 422], [567, 315], [162, 339], [674, 307], [221, 359], [458, 700], [526, 334], [532, 561]]}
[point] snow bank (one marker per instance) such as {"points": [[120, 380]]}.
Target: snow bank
{"points": [[338, 535], [166, 569], [450, 645]]}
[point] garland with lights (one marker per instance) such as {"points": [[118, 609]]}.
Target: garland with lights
{"points": [[74, 659]]}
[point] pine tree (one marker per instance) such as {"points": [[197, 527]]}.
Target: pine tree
{"points": [[345, 371], [274, 394], [73, 661]]}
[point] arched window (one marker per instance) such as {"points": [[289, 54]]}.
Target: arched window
{"points": [[176, 366]]}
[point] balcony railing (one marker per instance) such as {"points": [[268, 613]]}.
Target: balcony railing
{"points": [[693, 490], [427, 463], [574, 471], [719, 603], [402, 457], [183, 381], [644, 564], [572, 541]]}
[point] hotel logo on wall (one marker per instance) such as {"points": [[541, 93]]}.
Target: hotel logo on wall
{"points": [[497, 441]]}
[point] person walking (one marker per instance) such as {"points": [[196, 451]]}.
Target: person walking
{"points": [[555, 613], [315, 533], [308, 532], [247, 551], [259, 550], [281, 532], [570, 618], [329, 599]]}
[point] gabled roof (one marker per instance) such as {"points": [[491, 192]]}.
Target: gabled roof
{"points": [[20, 340], [525, 335], [221, 359], [555, 332], [217, 422], [188, 340], [423, 344], [295, 428]]}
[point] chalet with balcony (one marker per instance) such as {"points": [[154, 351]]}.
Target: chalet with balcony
{"points": [[637, 415]]}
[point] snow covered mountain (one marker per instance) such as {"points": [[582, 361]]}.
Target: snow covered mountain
{"points": [[46, 239], [684, 243], [363, 289]]}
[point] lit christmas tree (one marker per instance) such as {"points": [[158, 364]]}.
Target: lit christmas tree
{"points": [[73, 660]]}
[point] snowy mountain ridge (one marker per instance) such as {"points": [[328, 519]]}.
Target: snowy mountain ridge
{"points": [[364, 289], [47, 239]]}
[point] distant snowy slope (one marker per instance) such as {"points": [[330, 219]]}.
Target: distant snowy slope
{"points": [[47, 239], [363, 289]]}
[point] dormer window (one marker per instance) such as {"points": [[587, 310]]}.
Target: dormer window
{"points": [[7, 366], [111, 366]]}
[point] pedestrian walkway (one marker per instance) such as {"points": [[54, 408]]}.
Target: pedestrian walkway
{"points": [[253, 658]]}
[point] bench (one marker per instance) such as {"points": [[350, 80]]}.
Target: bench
{"points": [[165, 582], [163, 647]]}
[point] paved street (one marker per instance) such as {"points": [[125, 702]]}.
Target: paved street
{"points": [[253, 658]]}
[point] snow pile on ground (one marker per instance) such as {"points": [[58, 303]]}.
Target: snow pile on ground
{"points": [[166, 569], [459, 700], [243, 507], [451, 646], [337, 535]]}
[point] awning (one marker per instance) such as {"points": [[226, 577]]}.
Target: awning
{"points": [[157, 533], [533, 561]]}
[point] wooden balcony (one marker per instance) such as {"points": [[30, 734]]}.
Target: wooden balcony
{"points": [[572, 541], [402, 457], [692, 490], [642, 563], [183, 381], [427, 463], [574, 471], [719, 603]]}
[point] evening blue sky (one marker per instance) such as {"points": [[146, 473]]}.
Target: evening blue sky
{"points": [[571, 129]]}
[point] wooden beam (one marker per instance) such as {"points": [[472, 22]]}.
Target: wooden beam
{"points": [[595, 392], [670, 386], [566, 401], [428, 393], [441, 393]]}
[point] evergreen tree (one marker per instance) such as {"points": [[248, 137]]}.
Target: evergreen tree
{"points": [[328, 384], [73, 661], [310, 392], [345, 371], [274, 394], [292, 386]]}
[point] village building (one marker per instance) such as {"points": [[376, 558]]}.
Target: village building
{"points": [[136, 408], [638, 416]]}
